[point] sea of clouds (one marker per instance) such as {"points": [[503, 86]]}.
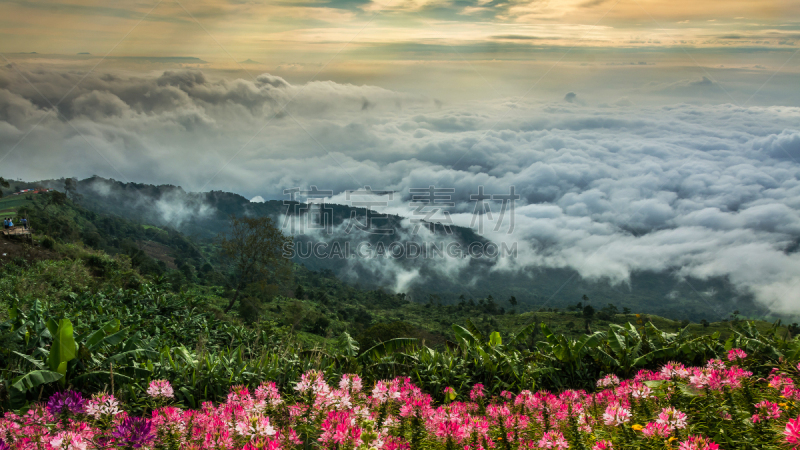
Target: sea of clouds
{"points": [[700, 190]]}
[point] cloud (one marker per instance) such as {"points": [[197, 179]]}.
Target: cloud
{"points": [[697, 190]]}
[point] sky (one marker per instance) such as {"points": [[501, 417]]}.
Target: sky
{"points": [[640, 135]]}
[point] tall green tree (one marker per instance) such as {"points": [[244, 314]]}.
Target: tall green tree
{"points": [[3, 183], [253, 248]]}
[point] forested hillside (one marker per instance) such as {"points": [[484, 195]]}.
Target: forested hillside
{"points": [[203, 215], [93, 283]]}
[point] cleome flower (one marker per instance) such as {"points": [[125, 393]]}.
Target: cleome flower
{"points": [[603, 445], [697, 443], [66, 402], [616, 415], [553, 439], [396, 413], [792, 431], [160, 389], [736, 354], [672, 418], [766, 410]]}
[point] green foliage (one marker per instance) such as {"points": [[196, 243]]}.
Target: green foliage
{"points": [[106, 316]]}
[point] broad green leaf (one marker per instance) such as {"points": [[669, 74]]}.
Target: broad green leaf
{"points": [[34, 379], [112, 326], [52, 326], [63, 349], [389, 347], [464, 335], [689, 390], [495, 339], [30, 359], [474, 330]]}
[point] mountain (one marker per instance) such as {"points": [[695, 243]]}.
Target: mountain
{"points": [[427, 278]]}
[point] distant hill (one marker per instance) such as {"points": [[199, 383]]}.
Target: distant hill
{"points": [[203, 215]]}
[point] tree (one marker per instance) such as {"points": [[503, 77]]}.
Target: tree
{"points": [[71, 188], [253, 247], [704, 323], [588, 312], [608, 312], [513, 301], [3, 183], [55, 198]]}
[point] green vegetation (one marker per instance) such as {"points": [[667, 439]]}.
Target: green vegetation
{"points": [[92, 305], [203, 215]]}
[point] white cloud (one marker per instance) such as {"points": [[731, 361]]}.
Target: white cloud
{"points": [[699, 190]]}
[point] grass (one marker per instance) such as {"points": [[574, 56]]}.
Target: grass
{"points": [[9, 205]]}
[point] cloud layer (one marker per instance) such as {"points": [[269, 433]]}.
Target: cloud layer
{"points": [[698, 190]]}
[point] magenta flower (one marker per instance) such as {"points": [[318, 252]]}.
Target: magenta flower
{"points": [[134, 432], [603, 445], [64, 402], [698, 443], [735, 354], [477, 392], [766, 411], [792, 431], [553, 439], [656, 430]]}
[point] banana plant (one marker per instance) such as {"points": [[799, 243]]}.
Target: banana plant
{"points": [[565, 360], [497, 366], [54, 367]]}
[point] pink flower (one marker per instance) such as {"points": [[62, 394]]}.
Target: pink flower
{"points": [[792, 431], [715, 364], [603, 445], [672, 418], [766, 410], [779, 381], [698, 443], [641, 391], [68, 440], [160, 389], [656, 430], [791, 393], [477, 392], [616, 415], [674, 370], [608, 381], [102, 405], [736, 354], [553, 439], [351, 382], [268, 393]]}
